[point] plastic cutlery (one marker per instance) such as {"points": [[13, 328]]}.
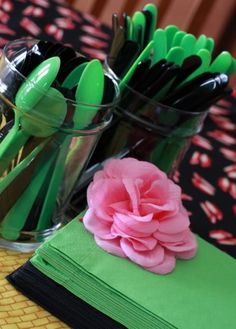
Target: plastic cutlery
{"points": [[73, 77], [221, 63], [190, 64], [178, 38], [152, 9], [160, 46], [170, 31], [86, 93], [205, 56], [175, 55], [210, 45], [28, 95], [188, 43], [126, 57], [201, 43], [138, 21], [145, 54]]}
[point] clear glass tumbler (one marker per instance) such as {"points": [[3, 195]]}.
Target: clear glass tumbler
{"points": [[43, 152], [148, 130]]}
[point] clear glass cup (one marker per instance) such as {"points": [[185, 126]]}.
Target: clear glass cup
{"points": [[43, 152], [148, 130]]}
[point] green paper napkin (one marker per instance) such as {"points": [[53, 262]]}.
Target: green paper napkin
{"points": [[199, 292]]}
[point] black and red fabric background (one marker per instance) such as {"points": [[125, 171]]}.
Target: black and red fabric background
{"points": [[208, 172]]}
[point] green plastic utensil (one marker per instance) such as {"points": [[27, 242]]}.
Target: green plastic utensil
{"points": [[139, 23], [178, 38], [28, 95], [56, 106], [175, 55], [90, 90], [160, 45], [7, 180], [221, 63], [129, 28], [205, 56], [201, 43], [232, 67], [170, 30], [154, 12], [73, 78], [188, 43], [210, 45], [145, 54], [14, 221]]}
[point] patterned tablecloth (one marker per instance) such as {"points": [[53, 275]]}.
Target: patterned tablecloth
{"points": [[17, 311]]}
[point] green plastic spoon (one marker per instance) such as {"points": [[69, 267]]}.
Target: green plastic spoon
{"points": [[160, 45], [205, 56], [28, 95], [188, 43], [139, 23], [170, 30], [201, 43], [178, 38], [221, 63], [90, 90], [54, 101], [73, 78], [176, 55], [232, 67], [210, 45]]}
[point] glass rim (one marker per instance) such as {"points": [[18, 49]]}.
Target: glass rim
{"points": [[71, 101], [151, 100]]}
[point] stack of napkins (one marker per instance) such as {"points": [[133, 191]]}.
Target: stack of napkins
{"points": [[200, 293]]}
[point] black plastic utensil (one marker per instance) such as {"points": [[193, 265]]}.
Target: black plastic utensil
{"points": [[190, 64], [169, 73], [139, 73], [117, 44], [65, 54], [109, 90], [148, 21], [70, 66], [152, 74], [187, 88], [202, 93], [125, 57]]}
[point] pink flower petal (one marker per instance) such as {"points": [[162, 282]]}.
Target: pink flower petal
{"points": [[111, 246], [167, 265], [189, 243], [130, 168], [175, 224], [144, 258], [134, 195], [124, 231], [173, 238], [126, 222], [160, 210], [97, 226], [103, 193], [143, 244]]}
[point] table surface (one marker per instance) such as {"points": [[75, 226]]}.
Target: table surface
{"points": [[16, 310]]}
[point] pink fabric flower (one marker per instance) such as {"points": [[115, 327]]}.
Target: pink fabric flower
{"points": [[135, 211]]}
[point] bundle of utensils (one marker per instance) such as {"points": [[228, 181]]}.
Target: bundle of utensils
{"points": [[50, 106], [168, 80], [168, 65]]}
